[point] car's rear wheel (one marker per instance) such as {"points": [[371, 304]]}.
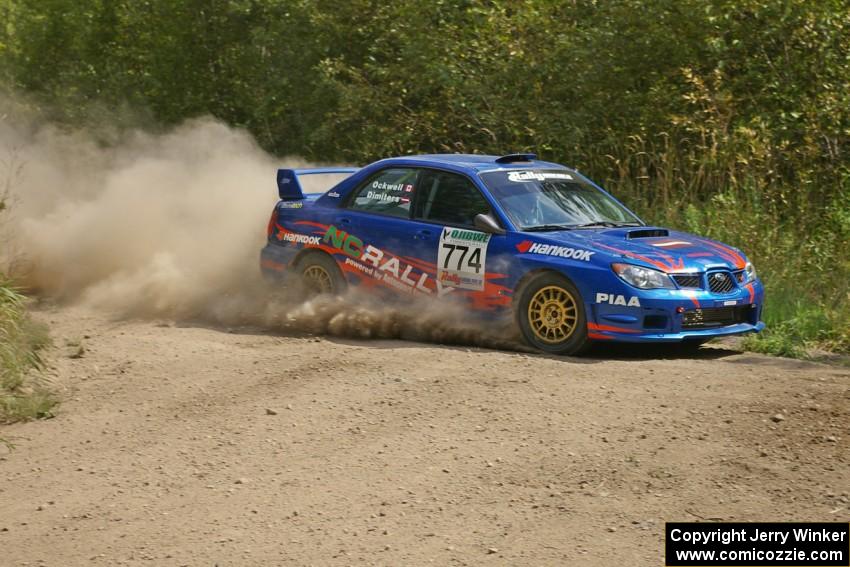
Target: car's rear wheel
{"points": [[320, 275], [551, 315]]}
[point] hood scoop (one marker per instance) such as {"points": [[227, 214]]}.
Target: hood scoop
{"points": [[647, 233]]}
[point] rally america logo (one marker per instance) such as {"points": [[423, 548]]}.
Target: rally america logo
{"points": [[520, 176], [551, 250]]}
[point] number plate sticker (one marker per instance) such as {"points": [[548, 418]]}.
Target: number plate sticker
{"points": [[462, 257]]}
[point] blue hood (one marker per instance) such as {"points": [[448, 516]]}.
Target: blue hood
{"points": [[666, 250]]}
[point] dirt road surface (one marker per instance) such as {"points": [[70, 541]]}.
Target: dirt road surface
{"points": [[179, 444]]}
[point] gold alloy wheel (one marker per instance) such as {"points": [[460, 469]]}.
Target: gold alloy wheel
{"points": [[319, 280], [552, 314]]}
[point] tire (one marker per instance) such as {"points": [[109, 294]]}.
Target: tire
{"points": [[551, 315], [319, 274]]}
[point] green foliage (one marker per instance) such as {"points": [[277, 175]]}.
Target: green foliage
{"points": [[22, 396], [728, 118]]}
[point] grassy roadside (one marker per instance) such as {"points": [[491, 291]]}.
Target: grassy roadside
{"points": [[23, 394], [23, 391]]}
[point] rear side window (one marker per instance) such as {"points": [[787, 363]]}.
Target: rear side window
{"points": [[388, 193], [448, 198]]}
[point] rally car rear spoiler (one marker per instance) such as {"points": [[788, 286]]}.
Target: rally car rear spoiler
{"points": [[288, 186]]}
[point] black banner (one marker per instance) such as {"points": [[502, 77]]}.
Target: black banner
{"points": [[741, 544]]}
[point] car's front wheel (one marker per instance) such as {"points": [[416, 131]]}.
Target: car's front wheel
{"points": [[551, 315]]}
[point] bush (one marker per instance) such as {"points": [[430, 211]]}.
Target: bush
{"points": [[23, 394]]}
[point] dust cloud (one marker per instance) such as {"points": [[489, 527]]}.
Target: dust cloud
{"points": [[169, 226], [359, 316]]}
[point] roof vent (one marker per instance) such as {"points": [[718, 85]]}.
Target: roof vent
{"points": [[512, 158]]}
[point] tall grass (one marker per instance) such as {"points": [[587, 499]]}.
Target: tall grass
{"points": [[23, 394]]}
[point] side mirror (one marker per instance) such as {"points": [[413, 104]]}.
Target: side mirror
{"points": [[486, 223]]}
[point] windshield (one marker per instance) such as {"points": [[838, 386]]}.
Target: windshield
{"points": [[553, 200]]}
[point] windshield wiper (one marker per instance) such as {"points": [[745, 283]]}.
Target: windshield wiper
{"points": [[545, 227], [606, 224]]}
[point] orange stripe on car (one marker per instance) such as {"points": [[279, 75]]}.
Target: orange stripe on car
{"points": [[728, 253], [611, 328], [693, 297], [670, 266]]}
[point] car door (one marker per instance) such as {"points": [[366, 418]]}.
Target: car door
{"points": [[377, 218], [466, 260], [415, 234]]}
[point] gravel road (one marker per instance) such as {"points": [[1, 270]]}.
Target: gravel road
{"points": [[182, 444]]}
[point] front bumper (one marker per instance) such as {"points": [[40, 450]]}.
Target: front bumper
{"points": [[679, 315], [739, 329]]}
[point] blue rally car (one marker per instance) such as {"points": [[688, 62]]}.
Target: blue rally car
{"points": [[511, 236]]}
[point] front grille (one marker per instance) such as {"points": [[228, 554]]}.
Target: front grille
{"points": [[720, 282], [693, 281], [715, 317]]}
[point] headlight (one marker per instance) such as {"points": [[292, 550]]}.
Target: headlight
{"points": [[749, 272], [643, 278]]}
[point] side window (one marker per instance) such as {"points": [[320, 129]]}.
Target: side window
{"points": [[388, 193], [449, 198]]}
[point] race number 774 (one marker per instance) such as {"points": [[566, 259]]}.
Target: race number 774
{"points": [[474, 260]]}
